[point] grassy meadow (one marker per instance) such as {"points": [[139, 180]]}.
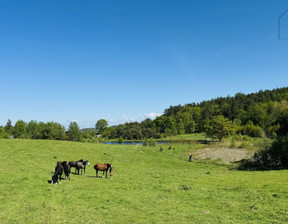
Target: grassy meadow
{"points": [[149, 186]]}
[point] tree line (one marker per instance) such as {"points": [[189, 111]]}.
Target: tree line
{"points": [[264, 113], [40, 130], [258, 114]]}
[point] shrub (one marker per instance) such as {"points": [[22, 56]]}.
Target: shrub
{"points": [[270, 156], [120, 140], [151, 142], [233, 144]]}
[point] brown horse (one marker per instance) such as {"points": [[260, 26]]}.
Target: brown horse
{"points": [[104, 167]]}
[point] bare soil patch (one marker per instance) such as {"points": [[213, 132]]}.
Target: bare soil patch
{"points": [[226, 154]]}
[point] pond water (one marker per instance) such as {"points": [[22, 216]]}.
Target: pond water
{"points": [[161, 142], [132, 142]]}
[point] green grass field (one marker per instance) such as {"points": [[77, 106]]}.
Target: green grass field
{"points": [[148, 186]]}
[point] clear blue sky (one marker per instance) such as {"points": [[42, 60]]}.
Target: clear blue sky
{"points": [[126, 60]]}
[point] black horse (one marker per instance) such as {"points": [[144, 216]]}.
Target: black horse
{"points": [[73, 164], [67, 168], [58, 173]]}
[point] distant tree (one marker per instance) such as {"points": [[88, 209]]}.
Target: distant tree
{"points": [[180, 127], [3, 133], [220, 127], [74, 133], [20, 130], [257, 114], [43, 130], [283, 121], [56, 131], [171, 126], [33, 130], [101, 125], [8, 127], [108, 132]]}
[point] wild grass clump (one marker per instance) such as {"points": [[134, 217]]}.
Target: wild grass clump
{"points": [[151, 142], [233, 144]]}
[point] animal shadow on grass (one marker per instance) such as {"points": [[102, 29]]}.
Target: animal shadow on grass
{"points": [[94, 177], [91, 176]]}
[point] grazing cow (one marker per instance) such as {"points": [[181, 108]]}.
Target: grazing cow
{"points": [[104, 167], [58, 172]]}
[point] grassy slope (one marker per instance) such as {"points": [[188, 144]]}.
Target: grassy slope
{"points": [[148, 186]]}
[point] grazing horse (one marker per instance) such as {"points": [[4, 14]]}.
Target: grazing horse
{"points": [[85, 163], [81, 165], [111, 171], [67, 168], [58, 172], [104, 168], [73, 164]]}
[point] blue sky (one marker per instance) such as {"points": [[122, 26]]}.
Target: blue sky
{"points": [[127, 60]]}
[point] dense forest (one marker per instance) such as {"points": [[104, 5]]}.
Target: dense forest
{"points": [[264, 113]]}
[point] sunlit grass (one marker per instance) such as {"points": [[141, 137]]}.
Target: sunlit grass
{"points": [[148, 186]]}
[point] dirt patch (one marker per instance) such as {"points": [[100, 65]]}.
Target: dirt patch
{"points": [[226, 154]]}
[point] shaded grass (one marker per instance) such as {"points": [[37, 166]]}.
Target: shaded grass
{"points": [[148, 186]]}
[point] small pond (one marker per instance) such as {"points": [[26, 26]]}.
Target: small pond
{"points": [[132, 142], [161, 142]]}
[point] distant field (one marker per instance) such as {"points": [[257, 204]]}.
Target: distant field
{"points": [[150, 185]]}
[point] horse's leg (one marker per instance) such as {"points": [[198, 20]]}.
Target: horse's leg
{"points": [[96, 172]]}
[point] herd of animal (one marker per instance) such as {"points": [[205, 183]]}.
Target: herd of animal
{"points": [[79, 165]]}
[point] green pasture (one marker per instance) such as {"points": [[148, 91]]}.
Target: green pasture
{"points": [[149, 186]]}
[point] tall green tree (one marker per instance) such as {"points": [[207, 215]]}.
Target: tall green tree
{"points": [[101, 125], [9, 127], [20, 129], [220, 127], [33, 130], [74, 133], [3, 133]]}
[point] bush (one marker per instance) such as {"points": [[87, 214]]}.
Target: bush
{"points": [[252, 130], [269, 156], [151, 142], [279, 152], [233, 144], [120, 140]]}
